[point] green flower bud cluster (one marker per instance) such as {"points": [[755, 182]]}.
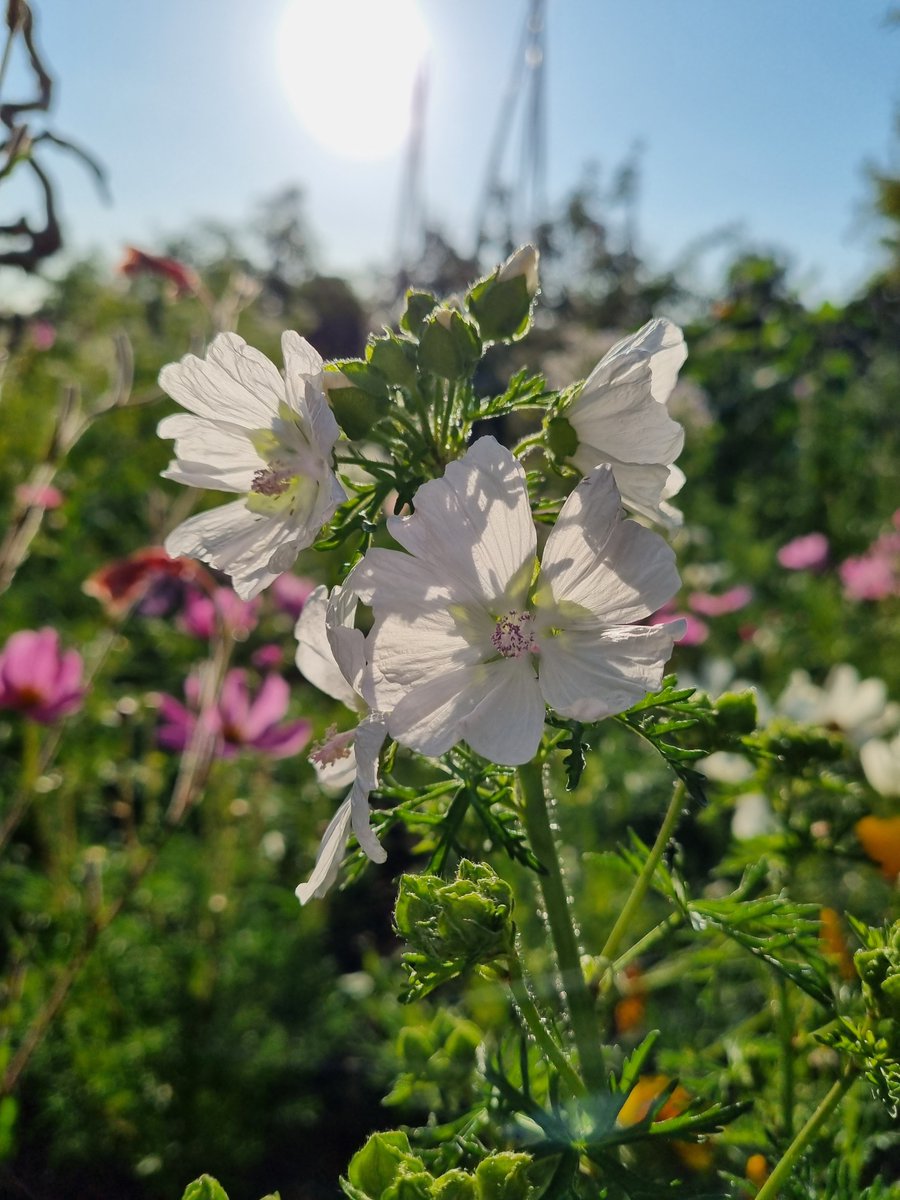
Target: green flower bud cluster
{"points": [[439, 1064], [878, 966], [452, 927], [388, 1169]]}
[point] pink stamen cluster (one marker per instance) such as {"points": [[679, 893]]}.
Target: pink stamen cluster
{"points": [[513, 635], [333, 747], [271, 482]]}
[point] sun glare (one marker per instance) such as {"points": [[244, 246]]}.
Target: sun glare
{"points": [[348, 67]]}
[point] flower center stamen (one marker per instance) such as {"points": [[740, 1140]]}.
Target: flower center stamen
{"points": [[333, 747], [269, 481], [513, 635]]}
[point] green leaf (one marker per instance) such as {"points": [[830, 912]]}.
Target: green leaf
{"points": [[204, 1188]]}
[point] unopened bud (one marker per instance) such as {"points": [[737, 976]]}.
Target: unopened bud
{"points": [[358, 396], [449, 345], [502, 302]]}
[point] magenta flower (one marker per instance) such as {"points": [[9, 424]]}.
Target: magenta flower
{"points": [[43, 334], [875, 574], [695, 631], [290, 593], [708, 605], [807, 553], [269, 657], [202, 613], [868, 577], [239, 721], [29, 496], [37, 679]]}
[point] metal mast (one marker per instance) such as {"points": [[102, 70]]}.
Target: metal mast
{"points": [[518, 209]]}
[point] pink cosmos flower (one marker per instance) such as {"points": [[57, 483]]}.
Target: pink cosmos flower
{"points": [[203, 613], [708, 605], [29, 496], [43, 334], [290, 593], [695, 631], [39, 680], [239, 721], [268, 657], [875, 574], [807, 553]]}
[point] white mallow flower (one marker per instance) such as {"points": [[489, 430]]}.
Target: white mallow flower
{"points": [[270, 438], [619, 416], [466, 644], [331, 654]]}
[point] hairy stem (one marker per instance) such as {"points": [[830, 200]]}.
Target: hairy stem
{"points": [[785, 1167], [562, 930], [539, 1031]]}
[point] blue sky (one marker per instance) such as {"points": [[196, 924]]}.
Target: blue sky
{"points": [[759, 115]]}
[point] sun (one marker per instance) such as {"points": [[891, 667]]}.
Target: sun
{"points": [[348, 67]]}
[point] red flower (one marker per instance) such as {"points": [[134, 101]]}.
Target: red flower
{"points": [[182, 277], [138, 577]]}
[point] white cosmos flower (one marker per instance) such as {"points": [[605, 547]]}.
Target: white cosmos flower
{"points": [[331, 653], [880, 760], [248, 430], [620, 418], [858, 707], [465, 645]]}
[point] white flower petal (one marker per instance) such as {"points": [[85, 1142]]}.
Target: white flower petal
{"points": [[370, 735], [616, 570], [315, 658], [338, 775], [507, 725], [237, 541], [304, 381], [408, 648], [210, 454], [328, 860], [233, 383], [400, 580], [663, 341], [439, 712], [643, 486], [615, 411], [881, 763], [589, 674], [348, 644], [474, 525]]}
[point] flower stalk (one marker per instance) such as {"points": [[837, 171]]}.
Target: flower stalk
{"points": [[642, 883], [538, 1030], [782, 1172], [580, 1003]]}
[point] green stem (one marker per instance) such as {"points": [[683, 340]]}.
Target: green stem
{"points": [[539, 1030], [642, 945], [559, 917], [785, 1167], [643, 881], [786, 1038]]}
